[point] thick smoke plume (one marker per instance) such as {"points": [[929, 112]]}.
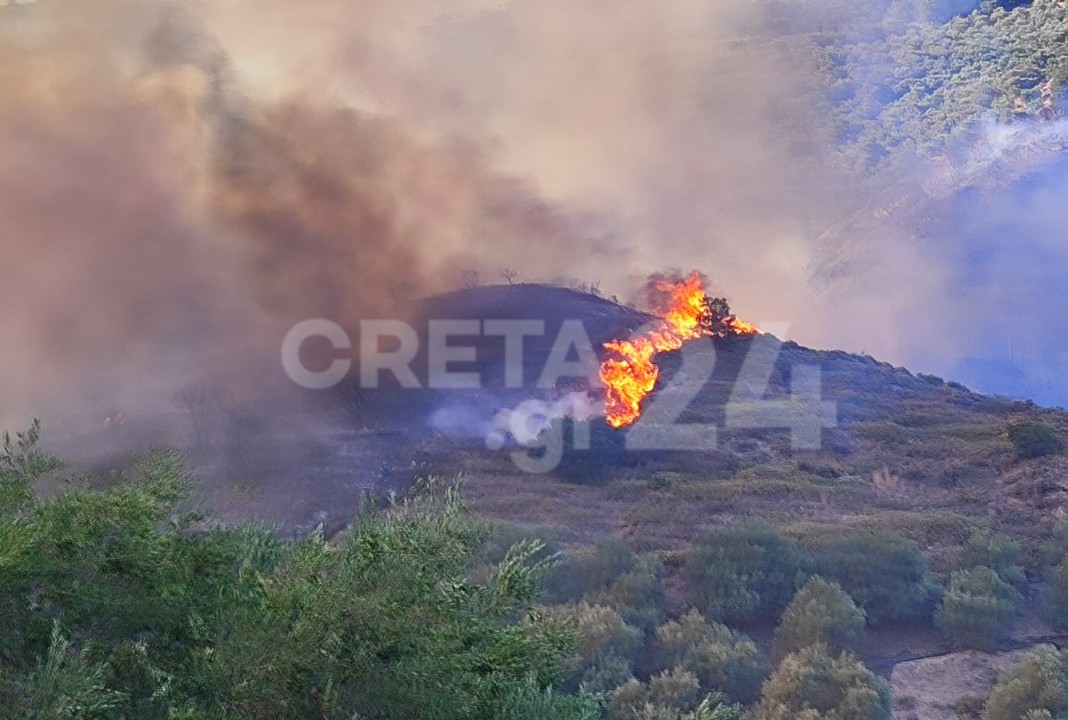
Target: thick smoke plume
{"points": [[163, 223], [180, 182]]}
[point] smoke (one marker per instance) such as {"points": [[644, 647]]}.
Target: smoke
{"points": [[957, 267], [527, 421], [167, 219], [179, 183]]}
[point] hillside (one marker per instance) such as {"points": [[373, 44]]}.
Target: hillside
{"points": [[908, 457], [901, 444], [928, 459], [912, 481]]}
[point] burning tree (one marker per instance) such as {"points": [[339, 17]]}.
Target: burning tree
{"points": [[719, 322], [686, 312]]}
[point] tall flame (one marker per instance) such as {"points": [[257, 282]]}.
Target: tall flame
{"points": [[630, 376]]}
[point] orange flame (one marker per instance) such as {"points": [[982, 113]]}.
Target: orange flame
{"points": [[632, 375]]}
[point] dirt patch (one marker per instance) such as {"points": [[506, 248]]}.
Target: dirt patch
{"points": [[933, 688]]}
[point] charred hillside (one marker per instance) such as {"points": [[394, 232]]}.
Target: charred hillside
{"points": [[926, 457], [882, 447]]}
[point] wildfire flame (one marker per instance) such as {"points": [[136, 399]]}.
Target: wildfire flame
{"points": [[686, 313]]}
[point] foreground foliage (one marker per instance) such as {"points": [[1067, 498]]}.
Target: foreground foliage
{"points": [[116, 604]]}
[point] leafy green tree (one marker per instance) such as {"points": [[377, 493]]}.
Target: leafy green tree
{"points": [[814, 685], [1037, 683], [744, 574], [719, 657], [718, 321], [885, 574], [978, 608], [820, 613]]}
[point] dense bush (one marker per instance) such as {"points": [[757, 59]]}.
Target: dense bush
{"points": [[502, 537], [605, 646], [978, 608], [998, 552], [1038, 715], [638, 595], [118, 605], [744, 574], [1037, 683], [721, 659], [669, 695], [610, 574], [589, 570], [814, 684], [1033, 440], [884, 574], [1057, 593], [820, 613]]}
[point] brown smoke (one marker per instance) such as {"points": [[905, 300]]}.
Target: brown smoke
{"points": [[180, 182], [162, 223]]}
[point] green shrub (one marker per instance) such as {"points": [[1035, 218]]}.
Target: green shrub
{"points": [[1057, 593], [67, 684], [667, 695], [610, 574], [605, 646], [744, 574], [21, 465], [997, 551], [670, 695], [502, 537], [1038, 715], [814, 684], [969, 708], [820, 613], [1036, 683], [885, 574], [719, 657], [978, 608], [638, 595], [589, 570], [1034, 440]]}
